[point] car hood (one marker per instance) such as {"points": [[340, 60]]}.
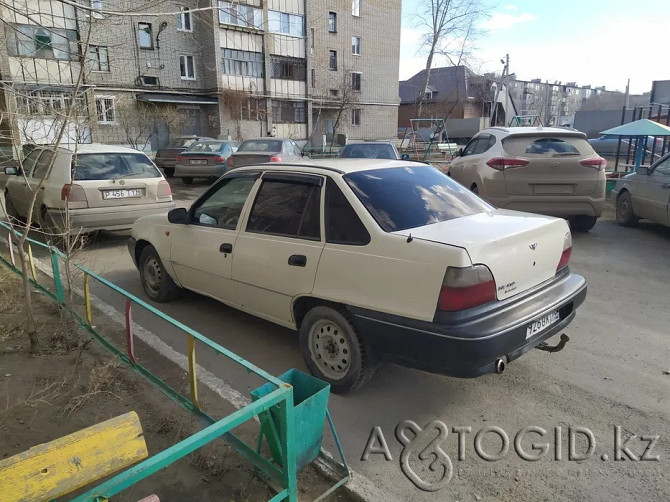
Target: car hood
{"points": [[522, 250]]}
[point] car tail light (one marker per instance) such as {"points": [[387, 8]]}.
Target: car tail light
{"points": [[73, 193], [179, 158], [598, 163], [164, 189], [501, 164], [275, 158], [219, 160], [567, 251], [230, 161], [463, 288]]}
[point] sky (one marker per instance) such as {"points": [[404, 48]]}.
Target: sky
{"points": [[591, 42]]}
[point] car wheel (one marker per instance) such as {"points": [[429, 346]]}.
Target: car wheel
{"points": [[583, 223], [333, 350], [474, 189], [51, 227], [157, 283], [12, 213], [624, 210], [187, 180], [169, 172]]}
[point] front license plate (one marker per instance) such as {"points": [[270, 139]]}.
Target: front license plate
{"points": [[122, 194], [199, 162], [541, 324]]}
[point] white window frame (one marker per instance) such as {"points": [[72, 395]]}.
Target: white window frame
{"points": [[233, 11], [356, 8], [184, 13], [105, 110], [355, 45], [96, 63], [151, 36], [187, 77], [356, 117]]}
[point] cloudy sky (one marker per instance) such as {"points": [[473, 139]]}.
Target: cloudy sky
{"points": [[596, 42]]}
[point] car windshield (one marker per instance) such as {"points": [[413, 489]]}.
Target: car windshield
{"points": [[206, 147], [181, 143], [109, 166], [368, 151], [260, 145], [546, 146], [411, 196]]}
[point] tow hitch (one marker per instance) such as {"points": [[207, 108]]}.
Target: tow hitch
{"points": [[556, 348]]}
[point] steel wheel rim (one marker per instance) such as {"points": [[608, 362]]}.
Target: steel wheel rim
{"points": [[330, 349], [624, 208], [153, 274]]}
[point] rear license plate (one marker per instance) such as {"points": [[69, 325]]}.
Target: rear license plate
{"points": [[122, 194], [199, 162], [541, 324]]}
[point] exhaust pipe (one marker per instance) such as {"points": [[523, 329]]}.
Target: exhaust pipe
{"points": [[500, 366]]}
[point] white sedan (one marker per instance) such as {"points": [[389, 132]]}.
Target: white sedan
{"points": [[370, 261]]}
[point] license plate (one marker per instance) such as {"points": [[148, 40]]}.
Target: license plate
{"points": [[541, 324], [199, 162], [122, 194]]}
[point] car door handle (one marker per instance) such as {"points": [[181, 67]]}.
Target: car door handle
{"points": [[297, 260], [226, 248]]}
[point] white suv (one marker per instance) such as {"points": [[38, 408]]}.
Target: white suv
{"points": [[544, 170], [371, 261], [102, 187]]}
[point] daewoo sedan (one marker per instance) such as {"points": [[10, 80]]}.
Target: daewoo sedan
{"points": [[370, 261], [204, 159]]}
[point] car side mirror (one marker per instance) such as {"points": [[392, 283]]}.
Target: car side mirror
{"points": [[12, 171], [459, 153], [404, 156], [177, 216], [642, 171]]}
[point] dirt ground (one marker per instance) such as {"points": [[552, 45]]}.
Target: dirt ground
{"points": [[73, 383]]}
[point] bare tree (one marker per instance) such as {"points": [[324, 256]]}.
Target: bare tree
{"points": [[449, 28]]}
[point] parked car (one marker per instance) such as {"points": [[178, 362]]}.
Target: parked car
{"points": [[408, 266], [204, 159], [166, 157], [106, 187], [644, 194], [607, 145], [369, 150], [544, 170], [8, 158], [257, 151]]}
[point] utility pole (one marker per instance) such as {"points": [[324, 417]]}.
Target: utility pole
{"points": [[494, 108]]}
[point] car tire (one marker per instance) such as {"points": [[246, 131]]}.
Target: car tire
{"points": [[625, 216], [169, 172], [11, 211], [188, 180], [156, 282], [53, 230], [583, 223], [333, 350], [474, 189]]}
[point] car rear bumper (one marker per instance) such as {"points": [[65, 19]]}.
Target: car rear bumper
{"points": [[196, 171], [552, 205], [464, 345], [109, 218], [165, 161]]}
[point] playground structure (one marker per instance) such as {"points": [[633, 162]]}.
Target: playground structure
{"points": [[290, 410]]}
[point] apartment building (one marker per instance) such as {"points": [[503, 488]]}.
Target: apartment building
{"points": [[149, 71]]}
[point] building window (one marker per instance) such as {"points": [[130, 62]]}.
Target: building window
{"points": [[288, 24], [356, 8], [332, 22], [104, 107], [43, 43], [240, 15], [313, 72], [356, 46], [355, 81], [242, 63], [311, 41], [334, 93], [145, 35], [356, 116], [49, 103], [184, 19], [289, 112], [288, 68], [187, 67], [98, 59], [333, 60], [253, 109]]}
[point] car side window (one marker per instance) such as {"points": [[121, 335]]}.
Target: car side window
{"points": [[483, 144], [663, 167], [287, 208], [222, 208], [470, 147], [42, 165], [343, 226], [30, 160]]}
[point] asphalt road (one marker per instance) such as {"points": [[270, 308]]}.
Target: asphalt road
{"points": [[610, 374]]}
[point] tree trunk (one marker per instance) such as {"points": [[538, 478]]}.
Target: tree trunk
{"points": [[28, 303], [426, 79]]}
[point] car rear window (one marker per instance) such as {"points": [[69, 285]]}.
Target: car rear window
{"points": [[260, 145], [368, 152], [108, 166], [546, 146], [206, 146], [409, 197], [181, 143]]}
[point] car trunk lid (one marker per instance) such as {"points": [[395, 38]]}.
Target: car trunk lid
{"points": [[240, 159], [521, 251]]}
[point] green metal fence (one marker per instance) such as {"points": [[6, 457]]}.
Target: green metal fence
{"points": [[277, 400]]}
